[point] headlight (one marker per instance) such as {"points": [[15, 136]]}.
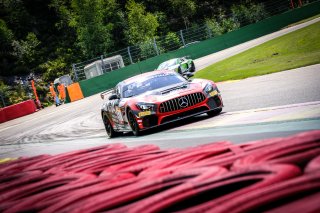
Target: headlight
{"points": [[145, 106], [209, 88]]}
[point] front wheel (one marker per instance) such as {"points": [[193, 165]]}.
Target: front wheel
{"points": [[133, 123], [109, 129], [214, 112]]}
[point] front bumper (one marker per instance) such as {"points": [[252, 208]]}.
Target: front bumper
{"points": [[158, 119]]}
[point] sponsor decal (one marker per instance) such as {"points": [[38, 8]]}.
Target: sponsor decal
{"points": [[144, 113], [213, 93]]}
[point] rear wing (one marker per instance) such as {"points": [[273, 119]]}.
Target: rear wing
{"points": [[106, 93]]}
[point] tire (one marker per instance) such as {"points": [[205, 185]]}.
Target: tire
{"points": [[109, 129], [214, 112], [192, 68], [133, 123], [179, 70]]}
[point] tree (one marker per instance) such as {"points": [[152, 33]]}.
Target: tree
{"points": [[170, 42], [185, 8], [54, 68], [248, 12], [93, 32], [6, 37], [17, 17], [26, 50], [142, 26], [223, 26]]}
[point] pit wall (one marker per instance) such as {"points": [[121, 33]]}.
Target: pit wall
{"points": [[103, 82]]}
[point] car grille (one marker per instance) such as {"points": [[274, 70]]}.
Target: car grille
{"points": [[181, 102]]}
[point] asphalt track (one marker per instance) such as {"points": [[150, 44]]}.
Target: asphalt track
{"points": [[273, 105]]}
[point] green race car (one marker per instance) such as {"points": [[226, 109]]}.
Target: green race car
{"points": [[180, 65]]}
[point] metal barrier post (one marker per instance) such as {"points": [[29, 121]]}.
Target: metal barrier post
{"points": [[4, 104], [75, 72], [181, 35], [130, 55], [155, 46], [209, 31], [102, 64]]}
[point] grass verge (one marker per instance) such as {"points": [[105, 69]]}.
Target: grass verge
{"points": [[297, 49]]}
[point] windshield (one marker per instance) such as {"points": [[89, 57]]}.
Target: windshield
{"points": [[166, 64], [151, 83]]}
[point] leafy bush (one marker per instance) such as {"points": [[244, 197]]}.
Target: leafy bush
{"points": [[224, 26], [147, 50], [170, 42], [26, 50], [18, 92], [13, 94], [248, 12], [6, 36], [54, 68]]}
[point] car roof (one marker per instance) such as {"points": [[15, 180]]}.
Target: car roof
{"points": [[145, 75], [172, 59], [165, 62]]}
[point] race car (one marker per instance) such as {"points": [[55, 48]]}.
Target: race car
{"points": [[156, 98], [180, 65]]}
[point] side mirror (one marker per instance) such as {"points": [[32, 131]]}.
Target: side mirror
{"points": [[102, 96], [113, 97], [105, 93]]}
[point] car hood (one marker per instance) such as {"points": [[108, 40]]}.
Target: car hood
{"points": [[171, 92]]}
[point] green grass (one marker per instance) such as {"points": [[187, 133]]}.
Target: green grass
{"points": [[296, 49]]}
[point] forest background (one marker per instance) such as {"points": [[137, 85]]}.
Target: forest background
{"points": [[43, 38]]}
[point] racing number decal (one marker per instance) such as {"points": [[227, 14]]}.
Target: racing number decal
{"points": [[117, 117]]}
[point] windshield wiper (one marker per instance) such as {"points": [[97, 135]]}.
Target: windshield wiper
{"points": [[130, 96]]}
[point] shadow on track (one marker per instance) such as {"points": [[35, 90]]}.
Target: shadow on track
{"points": [[175, 124]]}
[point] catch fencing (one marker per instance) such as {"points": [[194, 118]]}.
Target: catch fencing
{"points": [[143, 51], [178, 40], [196, 50]]}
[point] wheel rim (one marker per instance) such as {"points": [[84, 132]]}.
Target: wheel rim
{"points": [[108, 126], [133, 122]]}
